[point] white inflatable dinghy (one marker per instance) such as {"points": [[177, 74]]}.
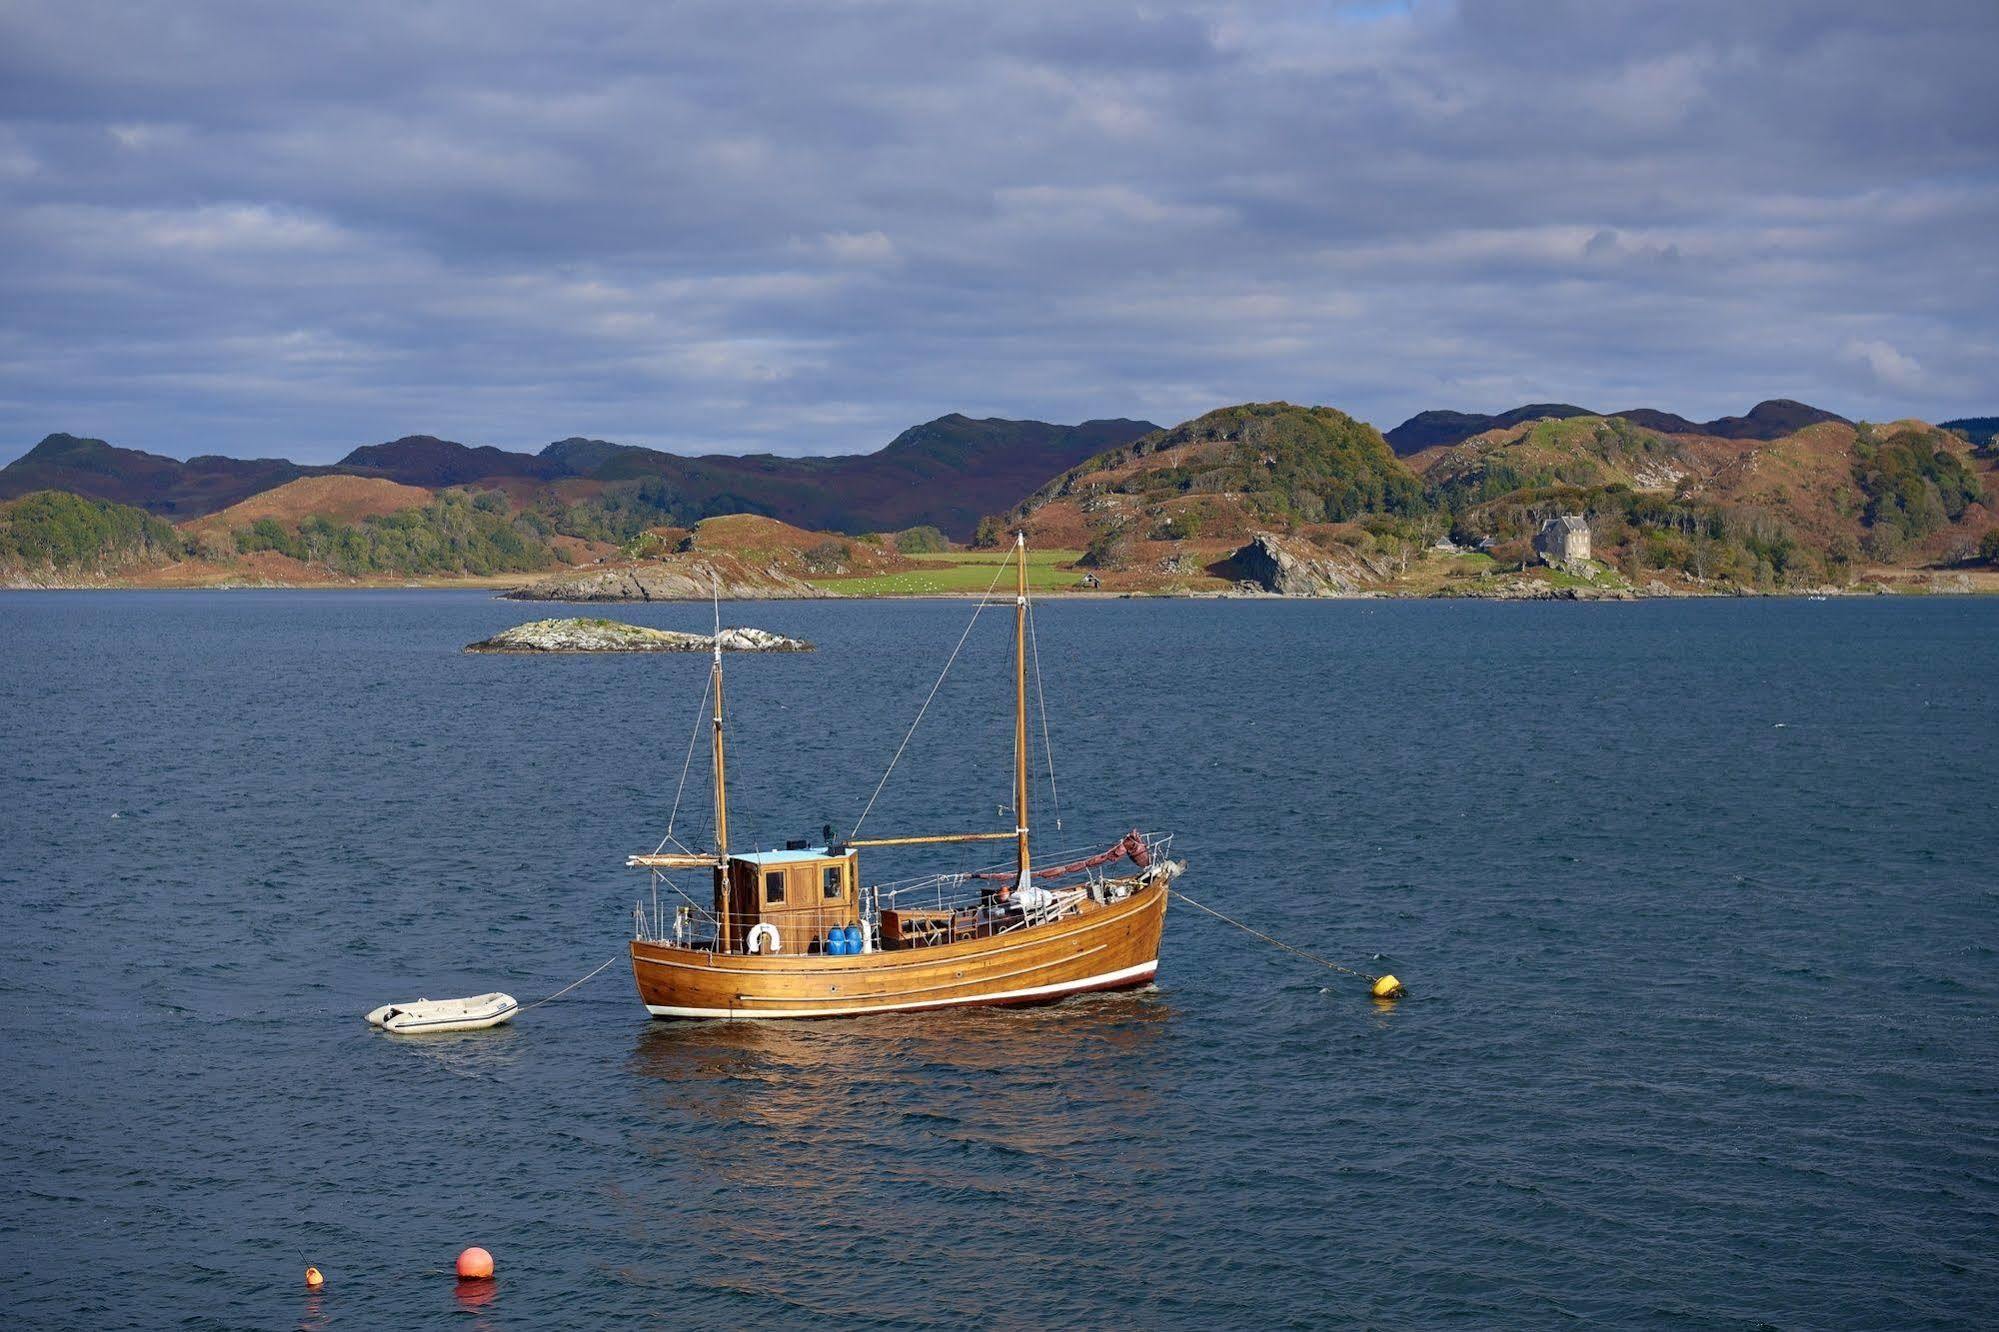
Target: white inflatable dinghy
{"points": [[429, 1015]]}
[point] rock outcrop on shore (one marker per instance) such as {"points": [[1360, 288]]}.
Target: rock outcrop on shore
{"points": [[613, 636], [671, 580], [1291, 568]]}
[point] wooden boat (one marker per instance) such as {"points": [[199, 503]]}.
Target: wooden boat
{"points": [[798, 933], [423, 1017]]}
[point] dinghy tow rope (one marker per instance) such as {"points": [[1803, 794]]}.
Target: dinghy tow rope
{"points": [[1382, 987], [567, 988]]}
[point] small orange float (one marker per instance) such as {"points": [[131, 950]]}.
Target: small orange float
{"points": [[475, 1264], [313, 1279]]}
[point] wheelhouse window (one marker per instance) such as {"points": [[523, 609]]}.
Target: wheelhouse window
{"points": [[773, 887], [836, 883]]}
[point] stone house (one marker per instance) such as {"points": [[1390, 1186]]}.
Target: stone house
{"points": [[1563, 540]]}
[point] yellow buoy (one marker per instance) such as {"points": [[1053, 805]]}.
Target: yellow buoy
{"points": [[1387, 988], [313, 1279]]}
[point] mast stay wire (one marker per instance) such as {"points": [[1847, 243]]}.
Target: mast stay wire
{"points": [[985, 599], [1041, 697], [700, 714]]}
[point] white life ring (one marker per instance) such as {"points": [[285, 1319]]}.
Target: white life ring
{"points": [[765, 933]]}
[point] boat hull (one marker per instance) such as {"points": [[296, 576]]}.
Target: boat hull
{"points": [[1104, 947]]}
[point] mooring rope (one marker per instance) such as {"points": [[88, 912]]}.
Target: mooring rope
{"points": [[1289, 948], [567, 988]]}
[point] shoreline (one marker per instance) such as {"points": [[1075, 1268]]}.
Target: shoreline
{"points": [[1911, 588]]}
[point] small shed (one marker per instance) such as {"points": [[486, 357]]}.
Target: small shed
{"points": [[1563, 540]]}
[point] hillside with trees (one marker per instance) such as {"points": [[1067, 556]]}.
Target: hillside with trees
{"points": [[457, 532], [1669, 512], [52, 532], [1217, 477]]}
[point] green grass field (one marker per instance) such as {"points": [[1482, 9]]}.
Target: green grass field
{"points": [[1471, 564], [958, 572]]}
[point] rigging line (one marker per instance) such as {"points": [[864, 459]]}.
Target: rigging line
{"points": [[1034, 641], [1310, 957], [685, 767], [976, 611], [567, 988], [683, 893]]}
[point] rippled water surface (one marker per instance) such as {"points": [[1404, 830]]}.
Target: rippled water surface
{"points": [[1696, 901]]}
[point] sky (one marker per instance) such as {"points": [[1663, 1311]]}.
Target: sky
{"points": [[286, 230]]}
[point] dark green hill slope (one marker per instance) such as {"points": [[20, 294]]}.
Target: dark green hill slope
{"points": [[425, 460], [53, 530], [1260, 461]]}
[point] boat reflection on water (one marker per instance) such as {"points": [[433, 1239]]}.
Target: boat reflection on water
{"points": [[865, 1133], [818, 1077]]}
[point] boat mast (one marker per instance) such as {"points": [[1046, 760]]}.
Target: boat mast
{"points": [[721, 776], [1020, 702]]}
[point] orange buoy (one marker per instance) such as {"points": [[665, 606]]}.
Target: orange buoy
{"points": [[475, 1264], [313, 1279]]}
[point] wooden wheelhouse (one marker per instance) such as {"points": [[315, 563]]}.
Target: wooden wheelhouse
{"points": [[803, 894]]}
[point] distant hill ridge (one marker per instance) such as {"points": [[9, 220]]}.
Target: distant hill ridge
{"points": [[163, 486], [944, 474], [1977, 429], [426, 460], [1768, 420]]}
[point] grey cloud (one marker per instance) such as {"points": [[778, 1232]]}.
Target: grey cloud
{"points": [[260, 229]]}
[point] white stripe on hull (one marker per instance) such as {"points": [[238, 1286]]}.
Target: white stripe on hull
{"points": [[1142, 971]]}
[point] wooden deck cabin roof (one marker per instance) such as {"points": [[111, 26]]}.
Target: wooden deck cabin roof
{"points": [[805, 856]]}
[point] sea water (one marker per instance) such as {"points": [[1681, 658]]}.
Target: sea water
{"points": [[1695, 901]]}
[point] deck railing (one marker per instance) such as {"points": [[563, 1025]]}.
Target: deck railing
{"points": [[674, 918]]}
